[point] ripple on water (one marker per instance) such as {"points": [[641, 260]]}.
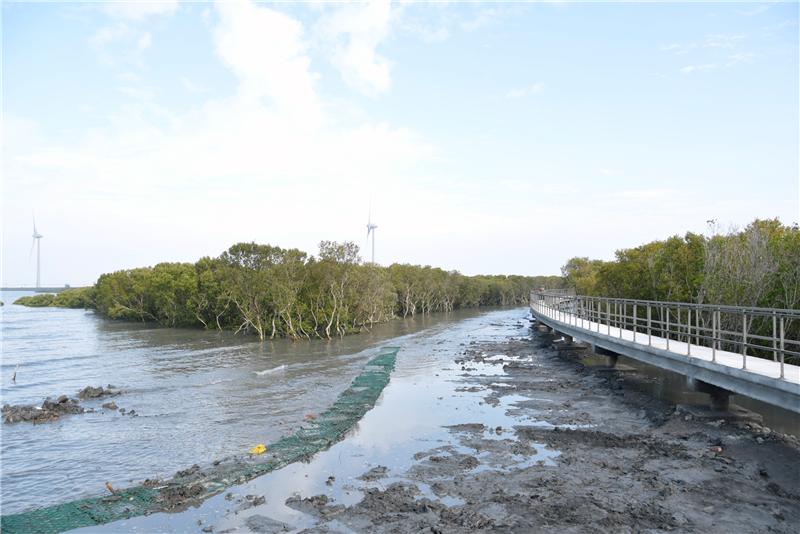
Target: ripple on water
{"points": [[195, 393]]}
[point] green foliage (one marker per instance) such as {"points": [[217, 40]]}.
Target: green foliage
{"points": [[36, 301], [270, 291], [756, 266], [79, 297]]}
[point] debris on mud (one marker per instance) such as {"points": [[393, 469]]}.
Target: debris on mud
{"points": [[264, 525], [317, 505], [176, 496], [49, 411], [91, 392], [375, 473]]}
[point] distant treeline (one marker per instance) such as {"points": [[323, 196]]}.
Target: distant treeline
{"points": [[756, 266], [271, 292]]}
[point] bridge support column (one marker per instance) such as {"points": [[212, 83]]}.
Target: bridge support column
{"points": [[720, 398], [611, 356]]}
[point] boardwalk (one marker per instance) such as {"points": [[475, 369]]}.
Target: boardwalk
{"points": [[693, 340]]}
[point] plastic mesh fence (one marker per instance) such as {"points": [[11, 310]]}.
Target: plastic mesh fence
{"points": [[196, 484]]}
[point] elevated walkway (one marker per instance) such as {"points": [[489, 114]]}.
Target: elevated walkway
{"points": [[693, 340]]}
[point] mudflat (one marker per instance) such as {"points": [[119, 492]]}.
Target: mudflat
{"points": [[627, 462], [529, 439]]}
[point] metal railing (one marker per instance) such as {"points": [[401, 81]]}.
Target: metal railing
{"points": [[769, 333]]}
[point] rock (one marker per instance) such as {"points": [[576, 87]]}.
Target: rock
{"points": [[255, 500], [375, 473], [48, 411], [91, 392], [110, 405], [264, 525]]}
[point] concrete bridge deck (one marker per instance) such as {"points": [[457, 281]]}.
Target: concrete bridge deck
{"points": [[774, 382]]}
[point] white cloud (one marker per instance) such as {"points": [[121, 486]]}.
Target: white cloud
{"points": [[274, 146], [722, 41], [483, 18], [352, 34], [266, 50], [689, 69], [126, 17], [678, 48], [754, 11], [144, 41], [609, 172], [735, 59], [136, 10], [643, 194], [520, 92], [191, 86]]}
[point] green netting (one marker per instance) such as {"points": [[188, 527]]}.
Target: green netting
{"points": [[193, 484]]}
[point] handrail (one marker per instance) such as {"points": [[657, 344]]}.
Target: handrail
{"points": [[725, 328], [721, 307]]}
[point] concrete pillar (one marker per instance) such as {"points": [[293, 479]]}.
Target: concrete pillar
{"points": [[567, 339], [720, 398], [611, 356]]}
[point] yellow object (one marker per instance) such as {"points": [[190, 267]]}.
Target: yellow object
{"points": [[259, 449]]}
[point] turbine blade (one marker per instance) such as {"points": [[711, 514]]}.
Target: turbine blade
{"points": [[30, 254]]}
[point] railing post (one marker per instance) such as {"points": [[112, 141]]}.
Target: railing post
{"points": [[621, 314], [608, 316], [689, 332], [782, 353], [649, 332], [635, 320], [713, 335], [697, 333], [666, 330], [774, 337], [744, 341]]}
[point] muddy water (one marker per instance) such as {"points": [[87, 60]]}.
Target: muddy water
{"points": [[425, 396], [198, 396]]}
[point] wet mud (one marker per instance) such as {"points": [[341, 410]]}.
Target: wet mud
{"points": [[626, 462], [507, 430]]}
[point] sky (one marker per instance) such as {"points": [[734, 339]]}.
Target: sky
{"points": [[495, 138]]}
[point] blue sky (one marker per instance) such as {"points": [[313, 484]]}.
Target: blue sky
{"points": [[489, 138]]}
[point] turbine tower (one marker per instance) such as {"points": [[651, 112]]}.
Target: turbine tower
{"points": [[37, 240], [371, 230]]}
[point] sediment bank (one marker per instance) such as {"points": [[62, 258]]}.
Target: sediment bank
{"points": [[537, 442]]}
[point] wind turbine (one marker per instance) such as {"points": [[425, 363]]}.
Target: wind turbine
{"points": [[37, 240], [371, 229]]}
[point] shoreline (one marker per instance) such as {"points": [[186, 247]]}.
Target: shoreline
{"points": [[486, 426], [536, 442]]}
